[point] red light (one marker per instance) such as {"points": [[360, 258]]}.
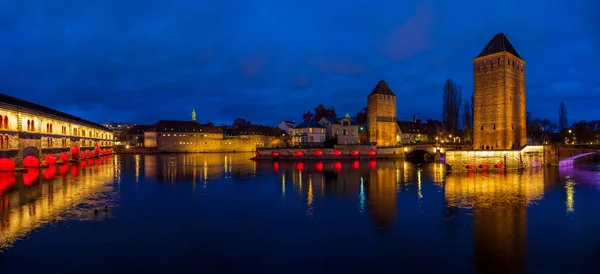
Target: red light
{"points": [[32, 175], [337, 152], [89, 153], [355, 153], [31, 161], [97, 150], [50, 159], [64, 169], [318, 153], [256, 153], [275, 153], [372, 153], [483, 166], [7, 164], [75, 170], [50, 172], [299, 153], [300, 166], [356, 165], [64, 157], [469, 166], [337, 166], [319, 166], [373, 165], [82, 155], [498, 165], [484, 174], [471, 174], [276, 166], [7, 180], [75, 152], [499, 173]]}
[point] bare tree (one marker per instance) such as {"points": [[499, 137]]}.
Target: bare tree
{"points": [[451, 102], [562, 116], [468, 119]]}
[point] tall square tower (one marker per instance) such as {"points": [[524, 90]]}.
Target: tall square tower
{"points": [[381, 115], [499, 112]]}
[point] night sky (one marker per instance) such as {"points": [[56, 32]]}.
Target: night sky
{"points": [[140, 61]]}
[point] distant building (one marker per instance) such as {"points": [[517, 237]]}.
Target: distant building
{"points": [[287, 126], [191, 136], [381, 115], [411, 132], [344, 129], [135, 135], [119, 131], [309, 132]]}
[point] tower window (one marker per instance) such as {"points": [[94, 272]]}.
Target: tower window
{"points": [[508, 62], [513, 127], [481, 127], [498, 61], [484, 63], [494, 127]]}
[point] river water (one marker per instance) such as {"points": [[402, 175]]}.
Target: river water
{"points": [[222, 213]]}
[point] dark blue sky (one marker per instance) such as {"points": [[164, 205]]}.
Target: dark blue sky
{"points": [[140, 61]]}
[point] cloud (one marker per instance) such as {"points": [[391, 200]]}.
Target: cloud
{"points": [[252, 65], [336, 66], [412, 37]]}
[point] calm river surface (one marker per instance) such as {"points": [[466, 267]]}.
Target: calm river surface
{"points": [[222, 213]]}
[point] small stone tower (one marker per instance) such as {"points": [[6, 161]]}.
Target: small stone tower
{"points": [[381, 115], [499, 113]]}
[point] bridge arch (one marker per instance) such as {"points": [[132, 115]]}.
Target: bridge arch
{"points": [[31, 151], [420, 154]]}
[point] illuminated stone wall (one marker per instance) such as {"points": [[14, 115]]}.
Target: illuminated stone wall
{"points": [[206, 142], [499, 106], [50, 134], [381, 115], [530, 156]]}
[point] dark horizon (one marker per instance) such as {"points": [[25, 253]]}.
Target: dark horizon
{"points": [[104, 63]]}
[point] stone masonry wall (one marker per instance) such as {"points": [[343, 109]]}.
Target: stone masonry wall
{"points": [[499, 101]]}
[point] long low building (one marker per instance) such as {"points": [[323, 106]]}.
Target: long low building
{"points": [[191, 136], [29, 129]]}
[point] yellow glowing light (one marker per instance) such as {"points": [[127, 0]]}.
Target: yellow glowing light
{"points": [[405, 149], [570, 200]]}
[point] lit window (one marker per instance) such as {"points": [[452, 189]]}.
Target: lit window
{"points": [[310, 130]]}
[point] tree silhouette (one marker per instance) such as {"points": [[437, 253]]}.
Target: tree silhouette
{"points": [[451, 102], [361, 116], [562, 116], [468, 119], [308, 115]]}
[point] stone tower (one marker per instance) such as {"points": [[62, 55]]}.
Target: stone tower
{"points": [[381, 115], [193, 114], [499, 115]]}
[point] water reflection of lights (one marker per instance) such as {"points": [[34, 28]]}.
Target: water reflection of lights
{"points": [[570, 191], [466, 190], [283, 184], [26, 208], [310, 197], [419, 182], [362, 197], [137, 168]]}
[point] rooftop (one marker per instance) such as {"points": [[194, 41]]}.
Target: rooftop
{"points": [[498, 44], [382, 88], [184, 126], [309, 123], [33, 106]]}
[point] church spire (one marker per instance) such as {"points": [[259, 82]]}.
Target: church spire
{"points": [[193, 114]]}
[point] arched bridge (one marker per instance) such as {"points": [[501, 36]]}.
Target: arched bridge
{"points": [[31, 134]]}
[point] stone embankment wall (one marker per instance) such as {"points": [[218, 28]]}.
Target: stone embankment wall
{"points": [[481, 160]]}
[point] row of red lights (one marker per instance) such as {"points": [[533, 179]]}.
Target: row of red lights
{"points": [[320, 153], [337, 166], [483, 166]]}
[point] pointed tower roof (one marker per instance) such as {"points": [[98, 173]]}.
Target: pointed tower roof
{"points": [[348, 116], [498, 44], [382, 88]]}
